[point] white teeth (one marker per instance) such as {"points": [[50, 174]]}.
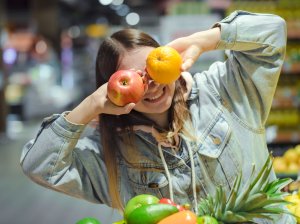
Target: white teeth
{"points": [[156, 97]]}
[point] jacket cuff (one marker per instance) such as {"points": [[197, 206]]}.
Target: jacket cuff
{"points": [[228, 32], [63, 127]]}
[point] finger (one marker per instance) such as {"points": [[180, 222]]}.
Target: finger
{"points": [[190, 56], [178, 44], [193, 52], [146, 84], [118, 110], [187, 64], [147, 77], [188, 82], [129, 107], [144, 71]]}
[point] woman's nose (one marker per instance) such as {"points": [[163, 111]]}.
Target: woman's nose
{"points": [[152, 84]]}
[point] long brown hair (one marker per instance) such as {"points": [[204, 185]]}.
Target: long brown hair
{"points": [[109, 54]]}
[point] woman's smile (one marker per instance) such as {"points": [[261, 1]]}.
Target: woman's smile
{"points": [[156, 96]]}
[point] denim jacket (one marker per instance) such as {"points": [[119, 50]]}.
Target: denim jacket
{"points": [[229, 105]]}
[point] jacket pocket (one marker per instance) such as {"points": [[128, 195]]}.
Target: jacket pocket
{"points": [[218, 152], [148, 182]]}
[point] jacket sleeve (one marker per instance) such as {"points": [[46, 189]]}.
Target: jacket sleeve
{"points": [[255, 46], [65, 159]]}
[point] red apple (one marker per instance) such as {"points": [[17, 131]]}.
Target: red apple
{"points": [[125, 86]]}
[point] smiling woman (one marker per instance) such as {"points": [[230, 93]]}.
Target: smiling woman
{"points": [[180, 141]]}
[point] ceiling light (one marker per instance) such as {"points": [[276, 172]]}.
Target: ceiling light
{"points": [[74, 31], [117, 2], [123, 10], [132, 18], [41, 47], [105, 2]]}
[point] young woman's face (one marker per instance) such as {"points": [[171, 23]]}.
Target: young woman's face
{"points": [[158, 97]]}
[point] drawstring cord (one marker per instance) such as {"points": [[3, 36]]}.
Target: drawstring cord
{"points": [[193, 173], [167, 171], [161, 143]]}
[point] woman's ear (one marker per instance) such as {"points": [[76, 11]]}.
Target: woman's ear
{"points": [[188, 79]]}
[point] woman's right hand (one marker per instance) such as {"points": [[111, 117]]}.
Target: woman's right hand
{"points": [[104, 106], [95, 104]]}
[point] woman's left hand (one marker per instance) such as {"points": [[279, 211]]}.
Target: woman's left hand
{"points": [[192, 46]]}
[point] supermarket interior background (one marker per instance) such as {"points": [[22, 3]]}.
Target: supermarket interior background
{"points": [[48, 50]]}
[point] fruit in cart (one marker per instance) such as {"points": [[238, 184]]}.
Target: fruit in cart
{"points": [[166, 201], [138, 201], [163, 64], [88, 220], [125, 86], [257, 198], [150, 214], [120, 222], [206, 219], [170, 202], [182, 217], [148, 209]]}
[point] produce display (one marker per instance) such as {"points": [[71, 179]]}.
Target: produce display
{"points": [[294, 207], [289, 162]]}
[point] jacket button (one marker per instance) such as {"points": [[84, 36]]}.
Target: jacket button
{"points": [[153, 185], [224, 103], [216, 140]]}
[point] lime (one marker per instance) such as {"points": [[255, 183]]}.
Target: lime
{"points": [[120, 222], [206, 219], [138, 201], [88, 220], [151, 214]]}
